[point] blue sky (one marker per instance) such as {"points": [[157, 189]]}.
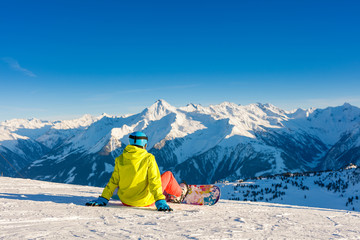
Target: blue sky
{"points": [[63, 59]]}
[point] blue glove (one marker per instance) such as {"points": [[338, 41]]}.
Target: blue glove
{"points": [[161, 205], [98, 202]]}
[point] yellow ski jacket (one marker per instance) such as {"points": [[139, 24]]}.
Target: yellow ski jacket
{"points": [[137, 176]]}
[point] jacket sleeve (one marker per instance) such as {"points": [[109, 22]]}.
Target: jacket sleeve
{"points": [[154, 179], [113, 182]]}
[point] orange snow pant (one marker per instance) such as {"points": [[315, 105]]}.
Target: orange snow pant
{"points": [[170, 186]]}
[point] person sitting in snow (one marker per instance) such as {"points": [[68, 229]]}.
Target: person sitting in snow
{"points": [[137, 177]]}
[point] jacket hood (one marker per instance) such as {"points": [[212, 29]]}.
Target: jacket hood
{"points": [[132, 152]]}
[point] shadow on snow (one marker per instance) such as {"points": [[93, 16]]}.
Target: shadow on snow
{"points": [[65, 199]]}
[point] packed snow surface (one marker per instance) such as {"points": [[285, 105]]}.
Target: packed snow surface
{"points": [[32, 209]]}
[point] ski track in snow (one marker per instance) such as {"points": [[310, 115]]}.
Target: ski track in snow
{"points": [[32, 209]]}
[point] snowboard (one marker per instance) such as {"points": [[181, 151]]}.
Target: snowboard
{"points": [[202, 195]]}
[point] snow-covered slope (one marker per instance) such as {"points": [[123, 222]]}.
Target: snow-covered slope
{"points": [[43, 210], [199, 144], [330, 189]]}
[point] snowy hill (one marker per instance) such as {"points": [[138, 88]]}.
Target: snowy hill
{"points": [[330, 189], [199, 144], [32, 209]]}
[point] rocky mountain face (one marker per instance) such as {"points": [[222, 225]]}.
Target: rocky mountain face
{"points": [[199, 144]]}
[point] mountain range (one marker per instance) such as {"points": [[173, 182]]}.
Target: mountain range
{"points": [[199, 144]]}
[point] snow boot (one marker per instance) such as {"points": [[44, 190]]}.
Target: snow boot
{"points": [[184, 193]]}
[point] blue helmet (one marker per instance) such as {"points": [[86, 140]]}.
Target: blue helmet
{"points": [[138, 139]]}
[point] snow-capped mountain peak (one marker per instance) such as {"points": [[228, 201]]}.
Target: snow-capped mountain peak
{"points": [[84, 121], [300, 113], [158, 110], [32, 123], [191, 107]]}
